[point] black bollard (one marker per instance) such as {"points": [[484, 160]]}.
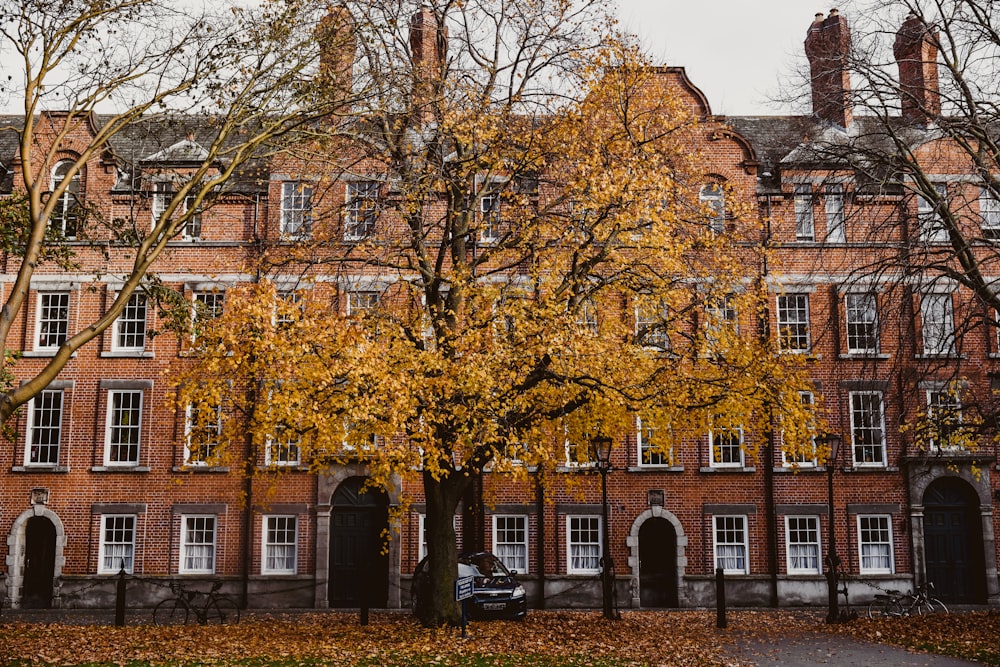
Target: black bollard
{"points": [[120, 598], [720, 599]]}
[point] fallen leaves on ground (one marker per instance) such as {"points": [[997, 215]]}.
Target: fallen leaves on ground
{"points": [[544, 639]]}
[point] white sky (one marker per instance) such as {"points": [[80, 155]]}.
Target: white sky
{"points": [[736, 51]]}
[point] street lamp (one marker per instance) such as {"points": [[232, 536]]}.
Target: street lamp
{"points": [[600, 448], [832, 560]]}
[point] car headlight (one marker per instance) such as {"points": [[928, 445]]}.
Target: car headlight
{"points": [[518, 593]]}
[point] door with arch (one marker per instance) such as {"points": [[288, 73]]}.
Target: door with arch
{"points": [[39, 563], [359, 562], [657, 563], [953, 541]]}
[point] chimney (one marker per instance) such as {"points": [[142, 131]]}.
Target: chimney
{"points": [[828, 45], [428, 46], [916, 54], [337, 47]]}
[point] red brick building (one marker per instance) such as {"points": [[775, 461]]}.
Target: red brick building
{"points": [[99, 475]]}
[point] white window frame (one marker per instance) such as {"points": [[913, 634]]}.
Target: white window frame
{"points": [[805, 398], [211, 447], [122, 528], [284, 446], [729, 527], [112, 426], [510, 543], [586, 316], [863, 424], [44, 319], [861, 322], [932, 229], [36, 406], [490, 206], [296, 209], [645, 437], [989, 214], [208, 311], [725, 460], [650, 326], [362, 301], [361, 209], [270, 551], [191, 231], [866, 545], [162, 192], [794, 333], [187, 545], [805, 224], [937, 320], [575, 556], [134, 314], [953, 403], [836, 224], [65, 215], [803, 555], [712, 196]]}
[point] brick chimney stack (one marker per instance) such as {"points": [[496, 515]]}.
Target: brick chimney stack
{"points": [[428, 47], [337, 48], [828, 45], [916, 54]]}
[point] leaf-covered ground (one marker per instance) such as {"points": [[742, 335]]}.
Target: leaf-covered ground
{"points": [[545, 639]]}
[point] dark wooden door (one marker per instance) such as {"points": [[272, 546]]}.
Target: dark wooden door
{"points": [[359, 564], [953, 545], [39, 563], [657, 564]]}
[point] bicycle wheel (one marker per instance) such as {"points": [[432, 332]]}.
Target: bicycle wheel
{"points": [[883, 607], [931, 606], [172, 611], [222, 610]]}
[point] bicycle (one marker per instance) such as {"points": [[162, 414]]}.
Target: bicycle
{"points": [[182, 609], [895, 603]]}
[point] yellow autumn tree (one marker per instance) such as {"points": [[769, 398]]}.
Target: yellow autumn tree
{"points": [[541, 266]]}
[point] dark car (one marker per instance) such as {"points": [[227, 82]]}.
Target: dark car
{"points": [[496, 593]]}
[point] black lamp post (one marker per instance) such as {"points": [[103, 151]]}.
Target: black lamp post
{"points": [[832, 560], [601, 451]]}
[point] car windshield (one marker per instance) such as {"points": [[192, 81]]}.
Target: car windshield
{"points": [[481, 566]]}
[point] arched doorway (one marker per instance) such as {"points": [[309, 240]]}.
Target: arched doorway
{"points": [[953, 541], [359, 562], [657, 564], [39, 563]]}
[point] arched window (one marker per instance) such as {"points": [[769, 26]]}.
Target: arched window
{"points": [[713, 202], [66, 214]]}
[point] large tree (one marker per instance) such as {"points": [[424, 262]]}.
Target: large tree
{"points": [[89, 80], [533, 267]]}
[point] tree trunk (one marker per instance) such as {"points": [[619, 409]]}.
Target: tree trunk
{"points": [[443, 496]]}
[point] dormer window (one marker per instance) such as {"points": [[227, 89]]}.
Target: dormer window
{"points": [[65, 216]]}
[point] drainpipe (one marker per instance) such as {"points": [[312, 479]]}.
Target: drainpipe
{"points": [[540, 535], [769, 436]]}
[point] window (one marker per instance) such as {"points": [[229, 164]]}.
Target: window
{"points": [[296, 209], [804, 226], [489, 213], [944, 416], [727, 447], [650, 325], [793, 322], [802, 544], [713, 204], [362, 210], [578, 454], [202, 428], [207, 305], [583, 544], [162, 193], [117, 545], [510, 541], [197, 545], [285, 448], [730, 536], [938, 324], [44, 430], [875, 544], [989, 213], [359, 303], [280, 545], [862, 323], [835, 225], [65, 217], [651, 452], [721, 311], [192, 226], [867, 428], [130, 327], [53, 320], [932, 228], [586, 316], [807, 457], [124, 428]]}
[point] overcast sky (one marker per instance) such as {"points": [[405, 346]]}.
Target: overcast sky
{"points": [[736, 51]]}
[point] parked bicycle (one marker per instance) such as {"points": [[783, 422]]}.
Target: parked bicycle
{"points": [[185, 607], [896, 603]]}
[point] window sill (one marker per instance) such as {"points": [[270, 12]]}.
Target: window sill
{"points": [[725, 469], [943, 355], [863, 356], [280, 467], [590, 467], [114, 469], [40, 468], [795, 470], [864, 469], [125, 354], [42, 354], [201, 469], [655, 468]]}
